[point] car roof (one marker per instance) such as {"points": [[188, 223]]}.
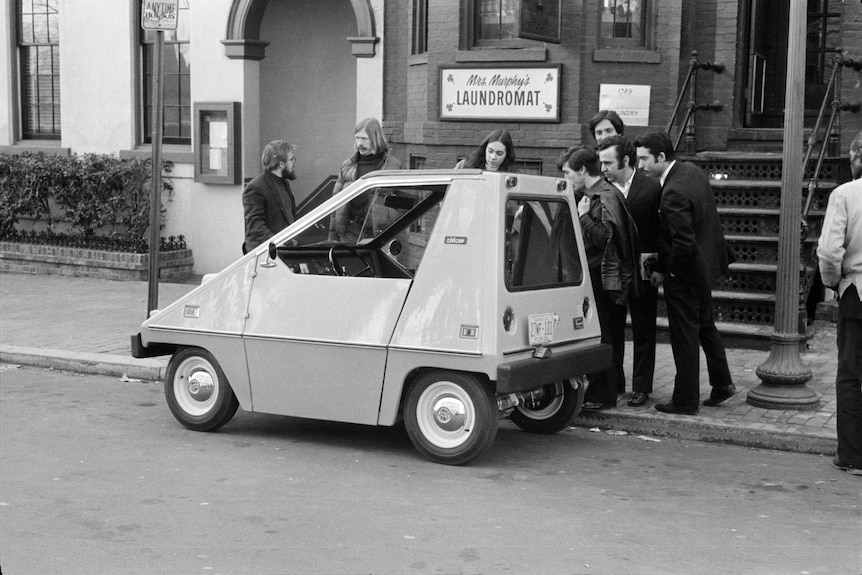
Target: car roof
{"points": [[433, 172]]}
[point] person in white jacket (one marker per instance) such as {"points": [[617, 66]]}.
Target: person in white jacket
{"points": [[840, 252]]}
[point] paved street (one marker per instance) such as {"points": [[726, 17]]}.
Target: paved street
{"points": [[97, 477], [91, 335]]}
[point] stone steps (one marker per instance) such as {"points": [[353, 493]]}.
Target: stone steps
{"points": [[747, 186]]}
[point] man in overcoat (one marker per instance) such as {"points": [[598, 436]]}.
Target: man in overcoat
{"points": [[692, 257], [267, 201]]}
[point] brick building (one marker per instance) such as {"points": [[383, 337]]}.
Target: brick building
{"points": [[75, 77]]}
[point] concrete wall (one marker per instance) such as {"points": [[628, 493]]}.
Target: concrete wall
{"points": [[98, 48], [7, 71], [308, 85]]}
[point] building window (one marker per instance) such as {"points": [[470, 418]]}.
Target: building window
{"points": [[419, 44], [533, 167], [177, 105], [39, 60], [494, 19], [623, 23], [417, 162]]}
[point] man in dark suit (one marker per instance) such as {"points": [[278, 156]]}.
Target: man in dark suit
{"points": [[642, 193], [692, 256], [267, 200]]}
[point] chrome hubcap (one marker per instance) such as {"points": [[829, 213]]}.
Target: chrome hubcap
{"points": [[445, 415]]}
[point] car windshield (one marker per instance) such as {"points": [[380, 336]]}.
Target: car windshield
{"points": [[397, 220]]}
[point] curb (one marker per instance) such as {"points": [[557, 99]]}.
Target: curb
{"points": [[687, 427], [714, 430], [83, 362]]}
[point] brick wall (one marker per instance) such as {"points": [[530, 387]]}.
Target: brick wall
{"points": [[712, 27], [851, 82], [713, 31], [412, 83], [81, 262]]}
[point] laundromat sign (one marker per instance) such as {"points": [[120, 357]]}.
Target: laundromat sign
{"points": [[528, 94], [159, 14]]}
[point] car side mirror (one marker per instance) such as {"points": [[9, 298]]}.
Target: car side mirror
{"points": [[272, 253]]}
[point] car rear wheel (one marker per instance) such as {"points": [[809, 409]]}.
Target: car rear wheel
{"points": [[450, 417], [197, 390], [553, 412]]}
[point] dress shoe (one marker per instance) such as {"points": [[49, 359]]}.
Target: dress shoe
{"points": [[638, 399], [593, 406], [672, 407], [719, 394], [838, 464]]}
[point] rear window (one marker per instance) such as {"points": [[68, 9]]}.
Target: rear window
{"points": [[541, 247]]}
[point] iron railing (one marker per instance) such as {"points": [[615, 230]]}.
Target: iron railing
{"points": [[831, 137], [687, 128]]}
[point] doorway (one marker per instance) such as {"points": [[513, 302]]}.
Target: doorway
{"points": [[766, 37], [308, 86]]}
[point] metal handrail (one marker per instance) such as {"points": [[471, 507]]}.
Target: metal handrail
{"points": [[832, 128], [691, 78]]}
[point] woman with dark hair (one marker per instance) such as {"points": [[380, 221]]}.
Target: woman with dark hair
{"points": [[496, 153]]}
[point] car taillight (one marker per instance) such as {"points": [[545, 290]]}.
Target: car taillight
{"points": [[509, 320]]}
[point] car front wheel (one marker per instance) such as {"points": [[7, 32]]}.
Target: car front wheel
{"points": [[197, 390], [551, 413], [450, 417]]}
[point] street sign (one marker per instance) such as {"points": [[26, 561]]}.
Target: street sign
{"points": [[159, 14]]}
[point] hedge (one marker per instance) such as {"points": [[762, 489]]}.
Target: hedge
{"points": [[98, 196]]}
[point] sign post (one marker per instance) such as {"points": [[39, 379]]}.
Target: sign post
{"points": [[158, 16]]}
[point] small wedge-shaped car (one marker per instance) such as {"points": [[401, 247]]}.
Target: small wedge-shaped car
{"points": [[446, 298]]}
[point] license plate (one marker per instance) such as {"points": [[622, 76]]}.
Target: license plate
{"points": [[542, 327]]}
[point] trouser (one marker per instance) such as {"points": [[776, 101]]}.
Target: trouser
{"points": [[848, 381], [690, 322], [643, 312], [605, 385]]}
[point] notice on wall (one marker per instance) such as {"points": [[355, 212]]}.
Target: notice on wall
{"points": [[630, 101], [500, 94], [159, 14], [218, 134]]}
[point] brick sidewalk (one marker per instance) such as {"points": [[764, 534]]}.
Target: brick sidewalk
{"points": [[85, 324]]}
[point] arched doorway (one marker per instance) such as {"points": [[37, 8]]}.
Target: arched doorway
{"points": [[312, 77]]}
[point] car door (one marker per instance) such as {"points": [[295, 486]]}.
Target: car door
{"points": [[316, 344]]}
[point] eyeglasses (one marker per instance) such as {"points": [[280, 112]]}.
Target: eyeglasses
{"points": [[293, 159], [361, 139]]}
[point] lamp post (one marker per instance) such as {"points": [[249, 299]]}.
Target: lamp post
{"points": [[783, 375], [158, 16]]}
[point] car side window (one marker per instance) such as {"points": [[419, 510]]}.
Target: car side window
{"points": [[541, 246]]}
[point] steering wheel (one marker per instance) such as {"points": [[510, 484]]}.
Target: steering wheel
{"points": [[336, 267]]}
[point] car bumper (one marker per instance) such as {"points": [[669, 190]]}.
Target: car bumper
{"points": [[527, 374], [154, 350]]}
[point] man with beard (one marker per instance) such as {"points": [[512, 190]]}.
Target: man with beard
{"points": [[267, 200]]}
